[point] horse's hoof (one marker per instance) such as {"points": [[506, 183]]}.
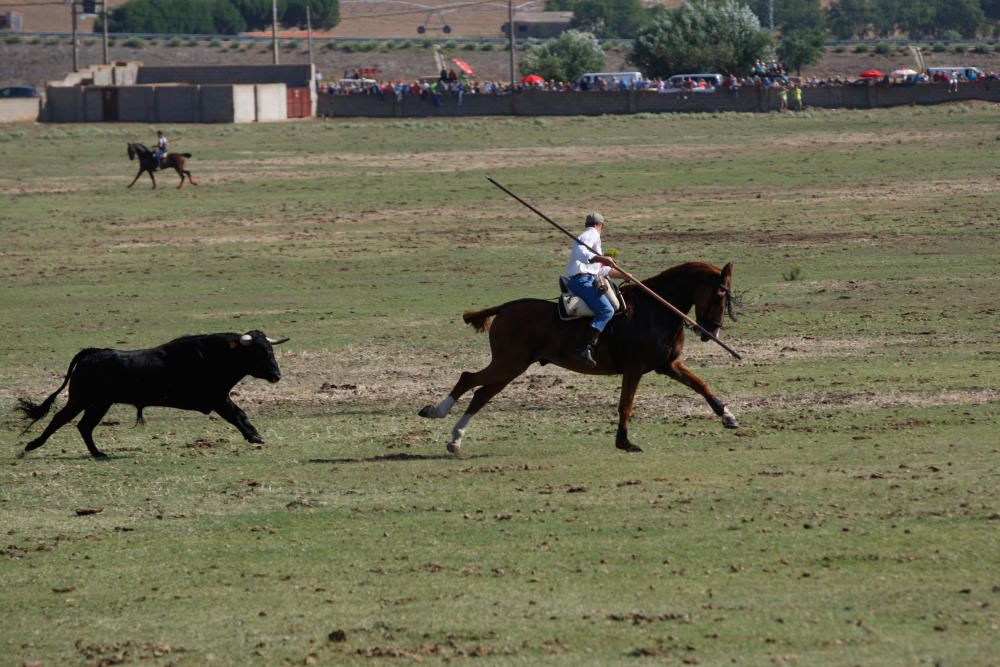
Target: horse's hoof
{"points": [[429, 411], [455, 450], [21, 454], [729, 420], [628, 446]]}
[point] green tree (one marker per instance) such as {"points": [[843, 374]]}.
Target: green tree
{"points": [[790, 15], [227, 20], [324, 14], [886, 16], [965, 16], [564, 58], [257, 13], [609, 19], [801, 47], [724, 36], [849, 18]]}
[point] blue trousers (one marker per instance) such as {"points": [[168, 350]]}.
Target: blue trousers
{"points": [[582, 285]]}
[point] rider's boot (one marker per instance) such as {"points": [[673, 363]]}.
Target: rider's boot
{"points": [[586, 352]]}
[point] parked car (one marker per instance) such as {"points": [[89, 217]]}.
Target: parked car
{"points": [[19, 91], [612, 80], [683, 83]]}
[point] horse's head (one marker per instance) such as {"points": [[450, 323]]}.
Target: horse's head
{"points": [[713, 299], [131, 151]]}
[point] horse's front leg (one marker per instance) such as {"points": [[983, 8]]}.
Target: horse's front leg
{"points": [[630, 382], [137, 175], [678, 371]]}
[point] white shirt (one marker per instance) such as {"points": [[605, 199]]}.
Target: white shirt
{"points": [[579, 258]]}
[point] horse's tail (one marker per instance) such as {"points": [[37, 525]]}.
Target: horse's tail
{"points": [[480, 319], [186, 154], [35, 411]]}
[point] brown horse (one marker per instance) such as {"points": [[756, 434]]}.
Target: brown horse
{"points": [[147, 162], [648, 337]]}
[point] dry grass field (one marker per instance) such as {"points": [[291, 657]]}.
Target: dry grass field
{"points": [[852, 520]]}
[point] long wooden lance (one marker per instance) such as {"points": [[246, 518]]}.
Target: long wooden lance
{"points": [[632, 279]]}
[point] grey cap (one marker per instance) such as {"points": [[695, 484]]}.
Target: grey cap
{"points": [[594, 219]]}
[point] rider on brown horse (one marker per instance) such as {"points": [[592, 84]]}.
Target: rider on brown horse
{"points": [[162, 146], [587, 272]]}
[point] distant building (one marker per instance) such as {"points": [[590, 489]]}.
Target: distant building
{"points": [[11, 21], [539, 24]]}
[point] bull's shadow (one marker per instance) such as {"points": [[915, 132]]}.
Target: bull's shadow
{"points": [[382, 458]]}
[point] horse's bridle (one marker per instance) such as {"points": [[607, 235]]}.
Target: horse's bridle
{"points": [[727, 308]]}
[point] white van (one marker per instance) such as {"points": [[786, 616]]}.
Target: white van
{"points": [[683, 83], [965, 71], [612, 80]]}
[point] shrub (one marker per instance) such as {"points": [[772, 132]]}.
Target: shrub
{"points": [[794, 272], [959, 48], [134, 43], [389, 45], [839, 49], [427, 44], [487, 46], [291, 45], [861, 48], [469, 46], [89, 42], [330, 46], [451, 45], [883, 49], [191, 42], [348, 47], [404, 44], [215, 43], [36, 40], [234, 46], [368, 45], [939, 48], [997, 48], [112, 41], [174, 43], [981, 48]]}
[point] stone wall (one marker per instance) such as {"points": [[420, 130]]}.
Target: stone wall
{"points": [[542, 103]]}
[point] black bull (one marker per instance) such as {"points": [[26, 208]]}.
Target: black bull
{"points": [[189, 373]]}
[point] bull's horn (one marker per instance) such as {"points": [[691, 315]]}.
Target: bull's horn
{"points": [[246, 339], [279, 341]]}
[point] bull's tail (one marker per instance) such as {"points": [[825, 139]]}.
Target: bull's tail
{"points": [[35, 411], [480, 319]]}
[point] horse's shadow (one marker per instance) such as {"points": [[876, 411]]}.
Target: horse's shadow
{"points": [[382, 458]]}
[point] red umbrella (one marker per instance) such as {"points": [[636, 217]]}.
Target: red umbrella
{"points": [[871, 74], [532, 79], [464, 66]]}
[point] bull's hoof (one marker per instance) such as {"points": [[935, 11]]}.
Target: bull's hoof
{"points": [[455, 450], [628, 446], [100, 456], [255, 439], [429, 411]]}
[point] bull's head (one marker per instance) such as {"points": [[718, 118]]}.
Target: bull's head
{"points": [[261, 355]]}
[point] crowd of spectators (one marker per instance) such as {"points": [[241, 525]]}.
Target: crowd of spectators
{"points": [[762, 75]]}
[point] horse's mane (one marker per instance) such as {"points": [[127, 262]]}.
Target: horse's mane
{"points": [[696, 271]]}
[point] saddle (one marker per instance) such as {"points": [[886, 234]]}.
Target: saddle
{"points": [[572, 307]]}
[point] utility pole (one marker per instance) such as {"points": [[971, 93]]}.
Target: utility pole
{"points": [[309, 34], [104, 15], [274, 29], [510, 35], [76, 55]]}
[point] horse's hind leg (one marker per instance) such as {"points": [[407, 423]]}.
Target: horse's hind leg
{"points": [[492, 374], [479, 399], [60, 419], [682, 374], [180, 172], [152, 178], [190, 178]]}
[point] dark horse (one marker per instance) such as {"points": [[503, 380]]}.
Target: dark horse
{"points": [[148, 163], [648, 337]]}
